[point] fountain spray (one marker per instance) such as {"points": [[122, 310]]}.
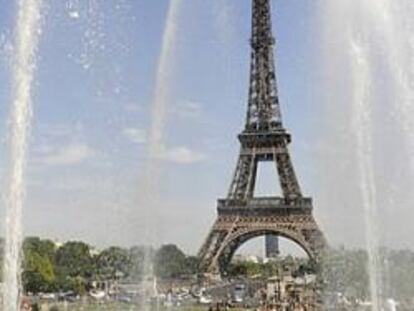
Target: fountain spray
{"points": [[155, 143], [363, 127], [369, 57], [28, 30]]}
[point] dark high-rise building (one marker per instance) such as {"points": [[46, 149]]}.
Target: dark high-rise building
{"points": [[272, 246]]}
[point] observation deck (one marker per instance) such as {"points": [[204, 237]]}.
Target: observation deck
{"points": [[265, 206]]}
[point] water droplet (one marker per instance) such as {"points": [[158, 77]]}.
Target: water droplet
{"points": [[74, 14]]}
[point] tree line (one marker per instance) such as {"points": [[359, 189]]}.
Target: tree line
{"points": [[74, 265], [346, 271]]}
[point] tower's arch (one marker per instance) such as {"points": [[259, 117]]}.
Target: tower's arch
{"points": [[242, 237], [230, 237]]}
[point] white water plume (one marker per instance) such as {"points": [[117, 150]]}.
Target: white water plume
{"points": [[391, 22], [164, 81], [368, 61], [28, 30], [363, 133], [155, 143], [159, 109]]}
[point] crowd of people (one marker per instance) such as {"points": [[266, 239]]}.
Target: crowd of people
{"points": [[27, 305]]}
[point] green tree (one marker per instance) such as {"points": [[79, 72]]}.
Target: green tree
{"points": [[38, 270], [346, 272], [191, 265], [74, 259], [245, 269], [137, 256], [237, 269], [113, 262], [44, 247], [170, 261], [400, 274]]}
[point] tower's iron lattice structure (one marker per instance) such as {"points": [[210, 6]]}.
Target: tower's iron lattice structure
{"points": [[242, 216]]}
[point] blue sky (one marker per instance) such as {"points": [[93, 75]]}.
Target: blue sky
{"points": [[92, 100]]}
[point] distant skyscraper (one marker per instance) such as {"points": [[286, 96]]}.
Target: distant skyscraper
{"points": [[272, 246]]}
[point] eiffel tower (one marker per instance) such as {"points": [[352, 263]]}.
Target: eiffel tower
{"points": [[242, 216]]}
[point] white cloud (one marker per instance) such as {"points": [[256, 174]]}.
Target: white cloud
{"points": [[71, 154], [60, 131], [133, 107], [189, 109], [134, 135], [182, 155]]}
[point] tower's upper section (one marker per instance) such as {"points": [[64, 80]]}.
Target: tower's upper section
{"points": [[263, 113]]}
